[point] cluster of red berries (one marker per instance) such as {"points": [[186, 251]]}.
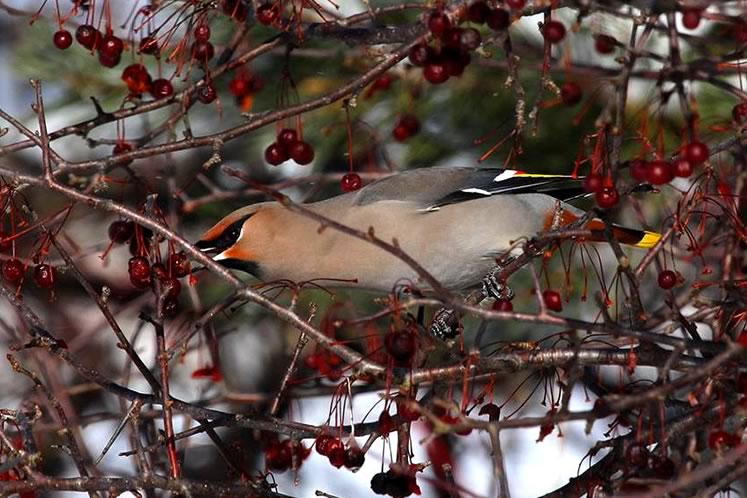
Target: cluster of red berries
{"points": [[288, 145], [498, 18], [268, 13], [14, 271], [139, 81], [326, 363], [642, 461], [352, 457], [395, 484], [283, 455], [660, 172], [108, 46], [605, 193], [243, 86], [449, 54], [159, 277], [400, 345], [406, 126]]}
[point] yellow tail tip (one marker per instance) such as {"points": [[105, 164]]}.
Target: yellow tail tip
{"points": [[649, 240]]}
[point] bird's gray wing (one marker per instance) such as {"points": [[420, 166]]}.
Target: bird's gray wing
{"points": [[431, 188]]}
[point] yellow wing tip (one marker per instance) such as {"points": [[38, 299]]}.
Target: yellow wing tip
{"points": [[649, 240]]}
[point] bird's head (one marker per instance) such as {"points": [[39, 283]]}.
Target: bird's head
{"points": [[229, 241]]}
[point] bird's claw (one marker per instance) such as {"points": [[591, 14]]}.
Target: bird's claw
{"points": [[445, 324], [493, 287]]}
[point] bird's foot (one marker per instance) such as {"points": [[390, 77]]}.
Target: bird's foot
{"points": [[495, 288], [445, 324]]}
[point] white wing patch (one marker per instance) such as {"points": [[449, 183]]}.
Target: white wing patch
{"points": [[476, 191], [505, 175]]}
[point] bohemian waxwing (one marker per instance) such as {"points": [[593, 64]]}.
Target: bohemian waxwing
{"points": [[452, 221]]}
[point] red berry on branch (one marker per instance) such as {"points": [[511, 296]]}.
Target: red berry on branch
{"points": [[593, 182], [659, 172], [682, 168], [552, 300], [410, 122], [268, 13], [469, 39], [667, 279], [503, 305], [206, 93], [44, 276], [136, 78], [109, 61], [499, 19], [351, 182], [88, 36], [739, 113], [516, 4], [570, 93], [452, 38], [456, 61], [638, 169], [385, 423], [278, 456], [607, 197], [161, 88], [691, 18], [121, 148], [170, 287], [721, 439], [287, 136], [696, 152], [400, 133], [301, 152], [420, 54], [13, 270], [438, 23], [62, 39], [408, 409], [202, 32], [179, 265], [148, 45], [202, 51], [111, 47], [276, 154], [239, 86], [325, 444], [337, 457], [139, 270], [436, 72], [492, 410], [604, 44], [400, 345], [121, 231], [354, 458], [553, 31], [478, 12], [158, 272]]}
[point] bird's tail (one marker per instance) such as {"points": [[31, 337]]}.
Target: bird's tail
{"points": [[630, 236]]}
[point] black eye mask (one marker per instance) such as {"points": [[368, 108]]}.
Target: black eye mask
{"points": [[226, 239]]}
